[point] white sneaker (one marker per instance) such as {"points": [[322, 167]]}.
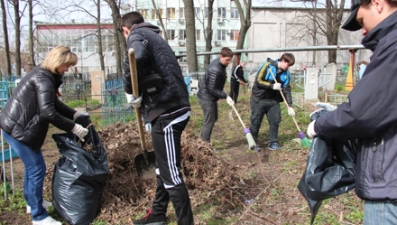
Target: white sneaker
{"points": [[46, 204], [47, 221]]}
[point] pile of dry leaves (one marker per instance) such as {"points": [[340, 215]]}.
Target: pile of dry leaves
{"points": [[210, 179]]}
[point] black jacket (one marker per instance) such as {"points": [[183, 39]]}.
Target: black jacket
{"points": [[211, 86], [154, 55], [238, 74], [33, 106], [370, 116], [263, 85]]}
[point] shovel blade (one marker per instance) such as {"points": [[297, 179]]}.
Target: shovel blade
{"points": [[145, 169]]}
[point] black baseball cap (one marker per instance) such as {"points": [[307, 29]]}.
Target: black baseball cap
{"points": [[351, 22]]}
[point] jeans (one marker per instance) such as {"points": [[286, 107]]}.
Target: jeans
{"points": [[380, 213], [33, 178]]}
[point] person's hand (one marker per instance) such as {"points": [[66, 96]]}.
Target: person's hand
{"points": [[80, 131], [310, 130], [241, 82], [229, 101], [148, 127], [135, 102], [326, 106], [291, 111], [80, 113], [276, 86]]}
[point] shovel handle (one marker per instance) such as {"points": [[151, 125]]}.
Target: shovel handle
{"points": [[135, 92]]}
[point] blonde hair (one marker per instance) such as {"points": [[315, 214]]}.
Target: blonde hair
{"points": [[58, 56]]}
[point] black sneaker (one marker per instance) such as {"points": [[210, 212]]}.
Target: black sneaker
{"points": [[151, 219], [274, 146]]}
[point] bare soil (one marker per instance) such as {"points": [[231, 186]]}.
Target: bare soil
{"points": [[234, 186]]}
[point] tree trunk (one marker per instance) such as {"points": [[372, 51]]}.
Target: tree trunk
{"points": [[245, 24], [100, 46], [191, 50], [17, 38], [334, 15], [6, 41], [31, 62], [118, 44], [208, 33]]}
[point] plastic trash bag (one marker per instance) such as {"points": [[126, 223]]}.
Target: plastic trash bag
{"points": [[329, 171], [79, 175]]}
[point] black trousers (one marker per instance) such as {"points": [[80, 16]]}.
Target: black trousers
{"points": [[166, 136], [234, 89], [272, 110]]}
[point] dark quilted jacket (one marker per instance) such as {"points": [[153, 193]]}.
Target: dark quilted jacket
{"points": [[33, 106], [154, 55], [211, 86]]}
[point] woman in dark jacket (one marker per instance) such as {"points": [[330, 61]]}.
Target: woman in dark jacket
{"points": [[25, 120]]}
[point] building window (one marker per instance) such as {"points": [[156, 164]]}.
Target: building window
{"points": [[145, 13], [234, 13], [198, 33], [206, 12], [154, 14], [222, 13], [221, 35], [171, 13], [181, 12], [171, 34], [197, 12], [182, 59], [234, 35], [182, 35]]}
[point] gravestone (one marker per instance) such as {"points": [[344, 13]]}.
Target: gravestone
{"points": [[311, 85]]}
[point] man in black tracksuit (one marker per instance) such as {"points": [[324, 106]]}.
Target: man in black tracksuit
{"points": [[211, 90], [370, 114], [236, 79], [165, 113]]}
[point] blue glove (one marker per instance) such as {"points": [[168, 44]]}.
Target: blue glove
{"points": [[326, 106]]}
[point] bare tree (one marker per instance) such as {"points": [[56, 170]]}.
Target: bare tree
{"points": [[31, 62], [158, 13], [244, 12], [119, 42], [17, 27], [208, 31], [6, 41], [191, 49], [334, 16]]}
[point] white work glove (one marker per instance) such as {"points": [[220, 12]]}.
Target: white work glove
{"points": [[326, 106], [229, 101], [291, 111], [135, 102], [148, 127], [277, 86], [310, 130], [80, 113], [80, 131]]}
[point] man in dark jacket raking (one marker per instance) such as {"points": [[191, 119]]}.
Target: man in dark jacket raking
{"points": [[236, 79], [370, 114], [211, 90], [266, 97], [165, 114]]}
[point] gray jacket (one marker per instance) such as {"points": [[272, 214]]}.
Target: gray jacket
{"points": [[370, 116]]}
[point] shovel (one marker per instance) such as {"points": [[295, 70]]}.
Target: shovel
{"points": [[145, 163]]}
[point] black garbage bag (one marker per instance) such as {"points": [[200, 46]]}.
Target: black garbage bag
{"points": [[79, 175], [329, 171]]}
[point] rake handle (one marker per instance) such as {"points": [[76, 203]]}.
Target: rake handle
{"points": [[285, 101]]}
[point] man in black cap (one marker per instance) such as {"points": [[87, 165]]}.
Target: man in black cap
{"points": [[370, 114]]}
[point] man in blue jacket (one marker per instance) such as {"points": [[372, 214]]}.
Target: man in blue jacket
{"points": [[266, 97], [370, 114], [166, 114]]}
